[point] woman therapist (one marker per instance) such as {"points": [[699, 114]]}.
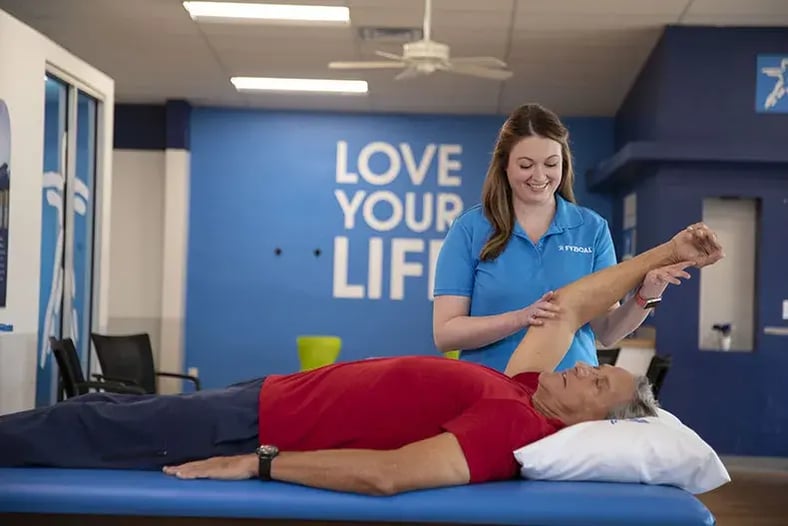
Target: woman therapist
{"points": [[501, 259]]}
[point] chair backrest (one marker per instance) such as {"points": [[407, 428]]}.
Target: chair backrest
{"points": [[128, 356], [608, 356], [657, 371], [71, 375]]}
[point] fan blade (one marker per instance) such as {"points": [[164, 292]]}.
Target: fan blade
{"points": [[391, 56], [485, 62], [408, 74], [474, 71], [366, 65]]}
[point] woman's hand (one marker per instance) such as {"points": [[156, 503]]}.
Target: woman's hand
{"points": [[238, 467], [540, 310], [657, 280]]}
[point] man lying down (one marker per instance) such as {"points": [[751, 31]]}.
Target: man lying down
{"points": [[380, 426]]}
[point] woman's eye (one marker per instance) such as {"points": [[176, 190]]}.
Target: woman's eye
{"points": [[552, 165]]}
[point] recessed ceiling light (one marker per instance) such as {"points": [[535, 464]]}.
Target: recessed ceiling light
{"points": [[308, 85], [274, 12]]}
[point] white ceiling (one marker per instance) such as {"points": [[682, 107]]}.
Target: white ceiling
{"points": [[578, 57]]}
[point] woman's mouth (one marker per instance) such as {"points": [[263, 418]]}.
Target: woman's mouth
{"points": [[538, 187]]}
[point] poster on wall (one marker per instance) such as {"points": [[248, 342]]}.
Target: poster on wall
{"points": [[5, 186], [770, 84]]}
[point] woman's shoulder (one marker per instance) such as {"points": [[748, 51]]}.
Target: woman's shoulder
{"points": [[587, 217], [472, 218]]}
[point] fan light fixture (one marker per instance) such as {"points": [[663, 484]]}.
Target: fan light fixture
{"points": [[307, 85], [274, 12]]}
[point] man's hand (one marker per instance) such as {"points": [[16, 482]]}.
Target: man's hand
{"points": [[237, 467], [698, 245], [657, 280]]}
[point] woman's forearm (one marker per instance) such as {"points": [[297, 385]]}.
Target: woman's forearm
{"points": [[619, 323], [472, 332]]}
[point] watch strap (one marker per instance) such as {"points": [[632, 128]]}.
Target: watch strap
{"points": [[265, 456], [646, 303], [264, 467]]}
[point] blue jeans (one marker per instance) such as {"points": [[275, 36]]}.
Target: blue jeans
{"points": [[127, 431]]}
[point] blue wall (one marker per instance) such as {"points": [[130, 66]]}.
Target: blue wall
{"points": [[738, 401], [688, 130], [263, 181]]}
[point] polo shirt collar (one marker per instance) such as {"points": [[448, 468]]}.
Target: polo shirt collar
{"points": [[566, 216]]}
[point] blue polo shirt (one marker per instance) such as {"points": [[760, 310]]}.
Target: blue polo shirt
{"points": [[578, 242]]}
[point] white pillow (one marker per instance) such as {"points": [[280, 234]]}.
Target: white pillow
{"points": [[652, 450]]}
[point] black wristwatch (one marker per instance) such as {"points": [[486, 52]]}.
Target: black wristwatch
{"points": [[265, 454]]}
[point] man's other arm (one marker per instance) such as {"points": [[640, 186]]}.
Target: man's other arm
{"points": [[430, 463]]}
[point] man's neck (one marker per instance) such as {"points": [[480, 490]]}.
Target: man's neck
{"points": [[544, 408]]}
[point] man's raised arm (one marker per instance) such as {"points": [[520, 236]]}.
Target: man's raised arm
{"points": [[543, 347]]}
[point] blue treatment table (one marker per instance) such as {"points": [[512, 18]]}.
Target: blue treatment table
{"points": [[87, 497]]}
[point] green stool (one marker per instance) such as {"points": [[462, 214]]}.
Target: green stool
{"points": [[317, 351]]}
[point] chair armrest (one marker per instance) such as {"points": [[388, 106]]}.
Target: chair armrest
{"points": [[113, 387], [115, 379], [193, 379]]}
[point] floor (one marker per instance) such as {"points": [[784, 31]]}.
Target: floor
{"points": [[752, 498]]}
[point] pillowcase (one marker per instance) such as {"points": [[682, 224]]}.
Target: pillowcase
{"points": [[651, 450]]}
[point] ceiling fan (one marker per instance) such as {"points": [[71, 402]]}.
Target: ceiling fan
{"points": [[425, 56]]}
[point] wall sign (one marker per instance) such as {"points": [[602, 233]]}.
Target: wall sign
{"points": [[5, 187], [770, 84]]}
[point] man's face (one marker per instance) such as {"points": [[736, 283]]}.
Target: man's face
{"points": [[585, 393]]}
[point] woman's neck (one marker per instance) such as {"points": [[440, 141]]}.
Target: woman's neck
{"points": [[535, 219]]}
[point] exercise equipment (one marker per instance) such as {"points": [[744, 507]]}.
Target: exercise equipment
{"points": [[150, 497]]}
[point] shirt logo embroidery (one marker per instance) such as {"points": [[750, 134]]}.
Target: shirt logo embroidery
{"points": [[575, 248]]}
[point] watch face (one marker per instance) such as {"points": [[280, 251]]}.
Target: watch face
{"points": [[267, 450]]}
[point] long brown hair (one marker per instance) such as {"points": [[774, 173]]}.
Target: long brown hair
{"points": [[525, 121]]}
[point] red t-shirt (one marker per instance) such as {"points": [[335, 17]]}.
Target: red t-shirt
{"points": [[386, 403]]}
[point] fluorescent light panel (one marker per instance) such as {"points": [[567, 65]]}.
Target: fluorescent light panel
{"points": [[309, 13], [308, 85]]}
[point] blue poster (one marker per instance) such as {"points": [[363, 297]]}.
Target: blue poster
{"points": [[5, 187], [770, 95]]}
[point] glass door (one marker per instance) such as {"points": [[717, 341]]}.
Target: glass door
{"points": [[81, 195], [67, 228], [53, 216]]}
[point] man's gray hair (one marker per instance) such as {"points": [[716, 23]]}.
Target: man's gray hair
{"points": [[642, 403]]}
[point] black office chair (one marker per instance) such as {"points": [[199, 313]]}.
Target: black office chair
{"points": [[72, 379], [607, 356], [129, 358], [657, 371]]}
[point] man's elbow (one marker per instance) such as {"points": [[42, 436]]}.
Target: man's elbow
{"points": [[385, 488], [382, 482]]}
